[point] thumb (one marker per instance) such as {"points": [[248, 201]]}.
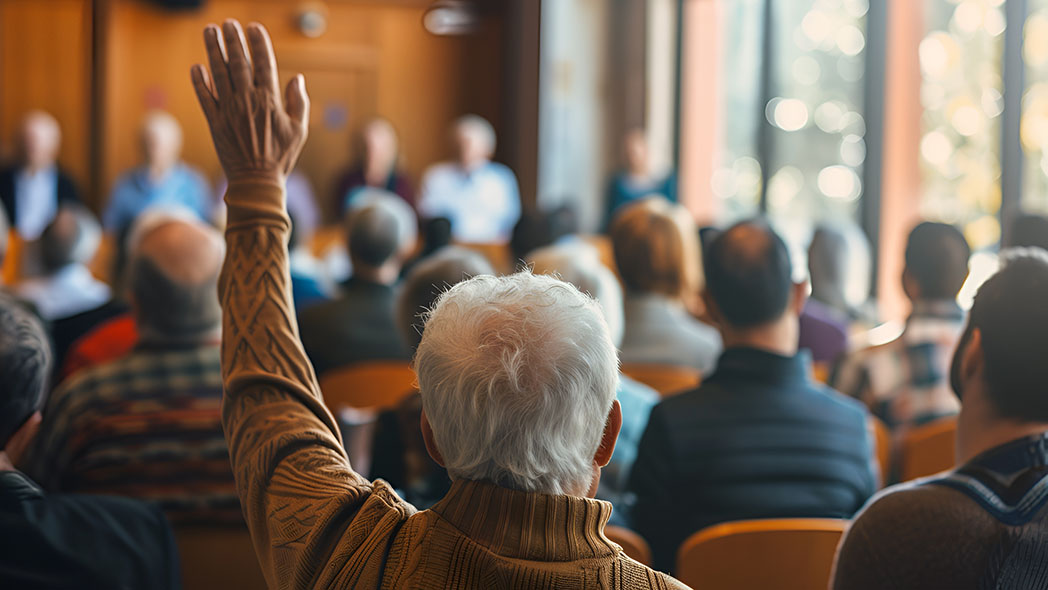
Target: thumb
{"points": [[296, 100]]}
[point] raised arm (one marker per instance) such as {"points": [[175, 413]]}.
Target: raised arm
{"points": [[291, 470]]}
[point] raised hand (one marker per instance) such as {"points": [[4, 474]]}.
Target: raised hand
{"points": [[257, 135]]}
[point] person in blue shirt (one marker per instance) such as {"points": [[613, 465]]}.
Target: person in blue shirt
{"points": [[638, 179], [162, 179]]}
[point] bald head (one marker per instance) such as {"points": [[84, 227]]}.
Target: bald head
{"points": [[749, 275], [40, 140], [174, 280]]}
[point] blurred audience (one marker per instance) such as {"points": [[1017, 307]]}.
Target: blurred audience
{"points": [[400, 455], [148, 425], [66, 286], [480, 197], [1028, 230], [307, 277], [162, 179], [378, 166], [436, 235], [985, 523], [381, 232], [579, 263], [537, 229], [33, 189], [657, 253], [638, 179], [59, 541], [828, 313], [904, 382], [758, 439]]}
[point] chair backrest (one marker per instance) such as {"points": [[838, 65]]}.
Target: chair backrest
{"points": [[499, 255], [666, 379], [785, 554], [882, 438], [218, 558], [373, 385], [928, 449], [632, 544]]}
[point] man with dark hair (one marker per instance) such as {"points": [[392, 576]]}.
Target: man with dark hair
{"points": [[66, 286], [63, 541], [904, 382], [358, 325], [148, 424], [758, 439], [1029, 231], [985, 523]]}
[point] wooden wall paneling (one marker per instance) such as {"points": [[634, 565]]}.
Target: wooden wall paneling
{"points": [[45, 63]]}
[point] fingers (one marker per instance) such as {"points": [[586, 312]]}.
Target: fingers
{"points": [[205, 91], [239, 64], [216, 56], [297, 101], [262, 57]]}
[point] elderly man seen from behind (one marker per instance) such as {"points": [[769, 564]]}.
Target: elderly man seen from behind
{"points": [[517, 376]]}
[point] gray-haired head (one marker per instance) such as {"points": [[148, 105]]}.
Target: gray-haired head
{"points": [[474, 139], [426, 282], [25, 363], [72, 237], [380, 228]]}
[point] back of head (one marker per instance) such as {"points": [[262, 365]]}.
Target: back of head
{"points": [[579, 263], [839, 266], [1010, 312], [425, 283], [656, 248], [937, 260], [749, 275], [381, 227], [1029, 231], [537, 229], [174, 281], [518, 374], [25, 363], [72, 238]]}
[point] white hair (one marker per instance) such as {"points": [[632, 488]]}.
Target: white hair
{"points": [[392, 205], [155, 216], [478, 127], [579, 264], [518, 374]]}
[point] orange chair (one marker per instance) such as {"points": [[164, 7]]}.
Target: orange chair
{"points": [[785, 554], [882, 438], [372, 385], [633, 545], [929, 449], [666, 379], [218, 558]]}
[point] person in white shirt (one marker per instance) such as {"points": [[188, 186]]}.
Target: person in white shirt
{"points": [[67, 286], [480, 197], [32, 191]]}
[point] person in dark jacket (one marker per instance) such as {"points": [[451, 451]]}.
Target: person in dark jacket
{"points": [[60, 541], [759, 438], [32, 190]]}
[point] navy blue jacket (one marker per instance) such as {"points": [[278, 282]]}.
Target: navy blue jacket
{"points": [[758, 439]]}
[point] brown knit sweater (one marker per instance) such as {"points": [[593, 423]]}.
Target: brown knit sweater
{"points": [[317, 524]]}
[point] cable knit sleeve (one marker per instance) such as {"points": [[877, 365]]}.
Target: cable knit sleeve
{"points": [[293, 477]]}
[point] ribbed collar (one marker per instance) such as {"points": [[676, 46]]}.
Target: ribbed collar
{"points": [[751, 364], [1029, 452], [523, 525]]}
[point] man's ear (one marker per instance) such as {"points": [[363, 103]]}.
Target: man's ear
{"points": [[713, 313], [909, 286], [23, 437], [427, 437], [972, 360], [800, 297], [611, 434]]}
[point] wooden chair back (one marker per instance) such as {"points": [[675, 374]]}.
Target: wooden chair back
{"points": [[633, 545], [884, 448], [928, 449], [785, 554], [374, 385], [218, 558], [666, 379]]}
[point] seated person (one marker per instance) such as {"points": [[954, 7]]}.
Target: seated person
{"points": [[400, 455], [517, 376], [378, 166], [32, 191], [657, 251], [985, 523], [1028, 231], [61, 541], [358, 324], [579, 263], [480, 197], [638, 180], [148, 425], [758, 439], [162, 179], [905, 381], [67, 286], [537, 229]]}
